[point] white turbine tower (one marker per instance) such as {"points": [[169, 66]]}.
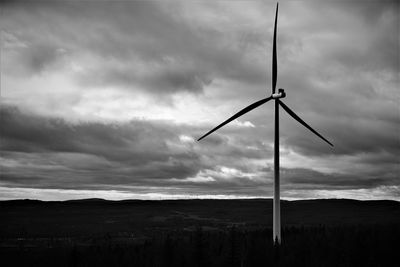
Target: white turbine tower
{"points": [[276, 97]]}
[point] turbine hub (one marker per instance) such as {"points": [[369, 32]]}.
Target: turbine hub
{"points": [[281, 94]]}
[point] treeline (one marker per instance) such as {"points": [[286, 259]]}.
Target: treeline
{"points": [[362, 245]]}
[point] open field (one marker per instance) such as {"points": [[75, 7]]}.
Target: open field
{"points": [[198, 232]]}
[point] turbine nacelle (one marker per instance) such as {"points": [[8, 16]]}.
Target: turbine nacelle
{"points": [[281, 94]]}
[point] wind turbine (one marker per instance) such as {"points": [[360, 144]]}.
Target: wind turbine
{"points": [[275, 96]]}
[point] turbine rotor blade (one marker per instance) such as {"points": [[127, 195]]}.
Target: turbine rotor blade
{"points": [[237, 115], [294, 115], [274, 57]]}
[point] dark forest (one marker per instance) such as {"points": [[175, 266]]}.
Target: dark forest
{"points": [[198, 233]]}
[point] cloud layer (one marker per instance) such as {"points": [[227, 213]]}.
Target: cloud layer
{"points": [[112, 95]]}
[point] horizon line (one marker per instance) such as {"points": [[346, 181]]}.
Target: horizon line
{"points": [[184, 199]]}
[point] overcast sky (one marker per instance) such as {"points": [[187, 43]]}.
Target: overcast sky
{"points": [[106, 99]]}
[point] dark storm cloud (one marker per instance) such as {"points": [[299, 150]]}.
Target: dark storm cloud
{"points": [[52, 153], [349, 138], [369, 11], [27, 133], [166, 81], [41, 57], [306, 178], [133, 141], [358, 34], [383, 18]]}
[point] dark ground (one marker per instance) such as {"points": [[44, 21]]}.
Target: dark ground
{"points": [[97, 232]]}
